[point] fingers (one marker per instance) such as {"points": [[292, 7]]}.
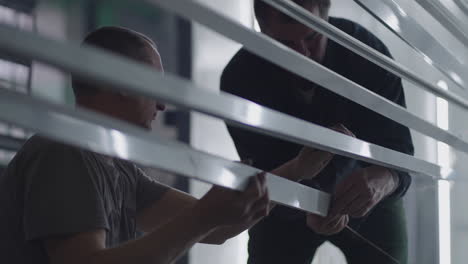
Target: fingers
{"points": [[261, 207], [345, 193], [315, 222], [346, 186], [364, 209], [327, 225], [256, 199], [340, 224], [342, 129], [341, 204], [256, 189]]}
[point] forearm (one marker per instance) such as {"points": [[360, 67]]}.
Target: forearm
{"points": [[288, 170], [163, 245], [220, 235]]}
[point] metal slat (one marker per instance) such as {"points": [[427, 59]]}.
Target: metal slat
{"points": [[115, 138], [323, 27], [284, 57], [446, 19], [26, 6], [390, 14], [121, 73]]}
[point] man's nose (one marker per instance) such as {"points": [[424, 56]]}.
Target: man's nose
{"points": [[160, 106]]}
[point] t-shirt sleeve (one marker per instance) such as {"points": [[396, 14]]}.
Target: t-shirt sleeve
{"points": [[61, 197], [148, 190]]}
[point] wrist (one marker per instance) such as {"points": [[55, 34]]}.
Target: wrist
{"points": [[201, 216], [295, 169]]}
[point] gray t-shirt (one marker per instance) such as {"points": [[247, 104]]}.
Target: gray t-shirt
{"points": [[51, 189]]}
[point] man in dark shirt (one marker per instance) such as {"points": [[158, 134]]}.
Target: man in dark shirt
{"points": [[365, 197]]}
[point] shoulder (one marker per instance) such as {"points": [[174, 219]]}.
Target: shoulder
{"points": [[51, 158], [239, 59], [360, 33], [250, 76], [238, 74], [38, 147], [240, 64]]}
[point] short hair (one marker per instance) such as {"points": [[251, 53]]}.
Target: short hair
{"points": [[122, 41], [261, 9]]}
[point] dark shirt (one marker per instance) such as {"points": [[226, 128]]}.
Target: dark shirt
{"points": [[51, 189], [260, 81]]}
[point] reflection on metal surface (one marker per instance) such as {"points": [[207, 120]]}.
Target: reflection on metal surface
{"points": [[446, 19], [389, 13], [102, 66], [254, 114], [120, 144], [106, 136], [284, 57]]}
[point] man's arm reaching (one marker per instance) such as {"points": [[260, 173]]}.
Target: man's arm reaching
{"points": [[306, 165], [169, 238]]}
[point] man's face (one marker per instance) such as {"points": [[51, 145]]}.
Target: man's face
{"points": [[295, 35], [142, 110]]}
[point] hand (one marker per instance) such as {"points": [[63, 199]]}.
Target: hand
{"points": [[310, 162], [363, 190], [342, 129], [224, 207], [329, 225]]}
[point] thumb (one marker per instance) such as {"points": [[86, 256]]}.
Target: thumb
{"points": [[314, 221]]}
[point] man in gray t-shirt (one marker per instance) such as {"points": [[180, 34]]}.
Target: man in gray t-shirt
{"points": [[62, 204], [62, 190]]}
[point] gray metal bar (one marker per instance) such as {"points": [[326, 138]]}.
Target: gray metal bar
{"points": [[463, 5], [121, 73], [282, 56], [446, 19], [323, 27], [115, 138], [390, 14]]}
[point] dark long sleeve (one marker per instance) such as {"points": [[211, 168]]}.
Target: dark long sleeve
{"points": [[251, 78], [255, 79], [373, 127]]}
